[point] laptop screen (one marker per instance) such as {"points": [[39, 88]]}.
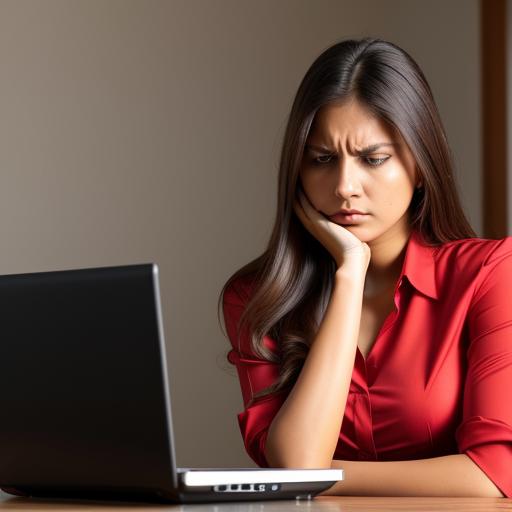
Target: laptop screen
{"points": [[84, 387]]}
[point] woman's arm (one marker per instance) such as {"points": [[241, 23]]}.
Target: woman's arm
{"points": [[305, 431], [451, 475]]}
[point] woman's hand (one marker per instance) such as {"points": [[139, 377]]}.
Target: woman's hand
{"points": [[340, 242]]}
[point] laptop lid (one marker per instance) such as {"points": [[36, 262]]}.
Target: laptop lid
{"points": [[84, 397]]}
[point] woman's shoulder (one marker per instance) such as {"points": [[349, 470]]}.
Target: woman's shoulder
{"points": [[239, 290], [470, 259], [480, 251], [236, 296]]}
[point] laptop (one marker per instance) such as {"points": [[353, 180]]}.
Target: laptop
{"points": [[85, 409]]}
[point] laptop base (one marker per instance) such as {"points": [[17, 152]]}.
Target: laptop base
{"points": [[206, 494]]}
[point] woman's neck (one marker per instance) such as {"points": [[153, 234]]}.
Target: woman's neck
{"points": [[387, 257]]}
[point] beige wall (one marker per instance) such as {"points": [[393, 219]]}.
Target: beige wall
{"points": [[137, 131]]}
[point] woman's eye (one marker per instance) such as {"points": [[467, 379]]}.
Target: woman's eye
{"points": [[374, 162], [318, 159]]}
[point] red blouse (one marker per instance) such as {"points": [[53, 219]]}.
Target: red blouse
{"points": [[438, 377]]}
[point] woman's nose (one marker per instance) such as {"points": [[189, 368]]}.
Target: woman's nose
{"points": [[347, 178]]}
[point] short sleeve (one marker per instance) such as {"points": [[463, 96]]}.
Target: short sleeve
{"points": [[254, 374], [485, 433]]}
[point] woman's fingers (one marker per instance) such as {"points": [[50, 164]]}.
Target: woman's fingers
{"points": [[335, 238]]}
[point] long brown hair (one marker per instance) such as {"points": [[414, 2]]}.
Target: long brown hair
{"points": [[294, 275]]}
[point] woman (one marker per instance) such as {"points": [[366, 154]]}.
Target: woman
{"points": [[378, 342]]}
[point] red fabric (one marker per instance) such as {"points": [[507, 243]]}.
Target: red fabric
{"points": [[438, 378]]}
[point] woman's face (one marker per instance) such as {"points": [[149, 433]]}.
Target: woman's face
{"points": [[337, 172]]}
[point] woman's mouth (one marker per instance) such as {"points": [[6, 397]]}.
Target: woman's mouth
{"points": [[349, 218]]}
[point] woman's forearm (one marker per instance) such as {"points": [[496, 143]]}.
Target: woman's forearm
{"points": [[305, 432], [450, 475]]}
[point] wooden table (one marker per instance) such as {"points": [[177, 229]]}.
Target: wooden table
{"points": [[320, 504]]}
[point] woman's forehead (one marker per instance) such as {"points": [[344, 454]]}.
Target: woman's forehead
{"points": [[351, 120]]}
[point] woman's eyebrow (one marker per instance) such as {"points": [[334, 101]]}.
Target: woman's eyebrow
{"points": [[363, 151]]}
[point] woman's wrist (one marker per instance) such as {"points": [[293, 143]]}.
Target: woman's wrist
{"points": [[354, 267], [346, 278]]}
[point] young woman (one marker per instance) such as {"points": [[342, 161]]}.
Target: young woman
{"points": [[381, 341]]}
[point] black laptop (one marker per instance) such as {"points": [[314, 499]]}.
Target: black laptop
{"points": [[85, 410]]}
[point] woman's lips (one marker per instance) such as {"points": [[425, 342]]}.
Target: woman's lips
{"points": [[352, 218]]}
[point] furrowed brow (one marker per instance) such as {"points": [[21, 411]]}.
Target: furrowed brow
{"points": [[364, 151]]}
